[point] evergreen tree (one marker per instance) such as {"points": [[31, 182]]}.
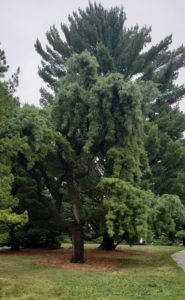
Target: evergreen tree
{"points": [[101, 126], [168, 216], [165, 147], [123, 50], [3, 66], [35, 130], [117, 49]]}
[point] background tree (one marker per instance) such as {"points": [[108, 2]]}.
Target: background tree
{"points": [[29, 169], [168, 216], [9, 218]]}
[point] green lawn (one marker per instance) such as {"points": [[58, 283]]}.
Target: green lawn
{"points": [[151, 274]]}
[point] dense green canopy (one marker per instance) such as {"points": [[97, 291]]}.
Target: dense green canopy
{"points": [[105, 156]]}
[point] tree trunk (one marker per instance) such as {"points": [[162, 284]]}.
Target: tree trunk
{"points": [[77, 245], [107, 243], [77, 231], [171, 237], [183, 241], [15, 245]]}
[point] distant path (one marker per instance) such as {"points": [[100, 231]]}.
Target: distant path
{"points": [[179, 257]]}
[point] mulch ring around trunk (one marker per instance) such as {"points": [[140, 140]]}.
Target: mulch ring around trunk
{"points": [[95, 259]]}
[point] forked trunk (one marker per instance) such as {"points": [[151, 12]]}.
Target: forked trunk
{"points": [[77, 245], [107, 243]]}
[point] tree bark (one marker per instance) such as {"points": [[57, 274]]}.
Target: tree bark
{"points": [[107, 243], [77, 245], [183, 241], [77, 231]]}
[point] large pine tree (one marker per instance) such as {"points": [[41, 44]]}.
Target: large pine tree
{"points": [[126, 50], [117, 49]]}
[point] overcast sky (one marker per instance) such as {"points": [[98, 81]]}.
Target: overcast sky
{"points": [[22, 21]]}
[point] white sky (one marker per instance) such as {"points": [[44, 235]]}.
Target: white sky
{"points": [[22, 21]]}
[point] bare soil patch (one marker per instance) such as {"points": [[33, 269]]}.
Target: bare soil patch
{"points": [[95, 259]]}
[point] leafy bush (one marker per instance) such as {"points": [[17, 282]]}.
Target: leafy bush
{"points": [[180, 234], [162, 241]]}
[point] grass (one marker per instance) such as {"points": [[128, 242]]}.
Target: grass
{"points": [[150, 274]]}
